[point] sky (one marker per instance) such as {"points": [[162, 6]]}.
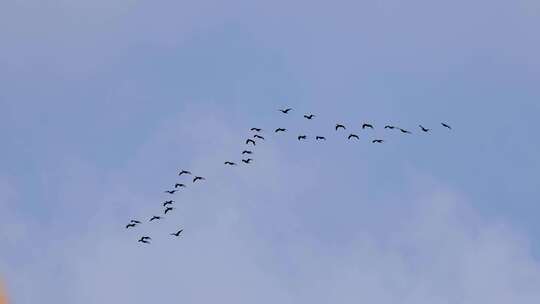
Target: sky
{"points": [[102, 102]]}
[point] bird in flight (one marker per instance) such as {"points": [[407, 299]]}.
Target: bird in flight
{"points": [[424, 129], [405, 131], [340, 126], [446, 126], [198, 178], [130, 225], [302, 137], [285, 111], [135, 222], [177, 233], [247, 161], [353, 136], [366, 125], [230, 163], [155, 217], [389, 127], [377, 141], [310, 116], [246, 152], [250, 141], [177, 185], [168, 209], [184, 172], [165, 203], [170, 191], [320, 138], [258, 136], [256, 129], [280, 130], [145, 239]]}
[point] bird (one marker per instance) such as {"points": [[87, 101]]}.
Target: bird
{"points": [[130, 225], [405, 131], [170, 191], [256, 129], [247, 161], [165, 203], [249, 140], [340, 126], [155, 217], [168, 209], [446, 126], [366, 125], [310, 116], [389, 127], [230, 163], [285, 111], [144, 239], [280, 130], [135, 222], [258, 136], [320, 138], [177, 185], [198, 178], [184, 172], [424, 129], [300, 137], [246, 152], [353, 136], [177, 233], [377, 141]]}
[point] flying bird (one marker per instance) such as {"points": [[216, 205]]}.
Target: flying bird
{"points": [[353, 136], [177, 233], [424, 129], [247, 161], [135, 222], [405, 131], [230, 163], [168, 209], [300, 137], [250, 141], [177, 185], [144, 239], [285, 111], [155, 217], [246, 152], [184, 172], [280, 130], [340, 126], [167, 203], [446, 126], [320, 138], [256, 129], [389, 127], [198, 178], [130, 225], [366, 125], [310, 116], [170, 191], [258, 136], [377, 141]]}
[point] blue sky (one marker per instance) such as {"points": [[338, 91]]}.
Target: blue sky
{"points": [[102, 102]]}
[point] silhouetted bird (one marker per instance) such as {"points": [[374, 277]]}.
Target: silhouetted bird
{"points": [[246, 152], [405, 131], [389, 127], [155, 217], [184, 172], [250, 141], [130, 225], [300, 137], [144, 239], [320, 138], [167, 203], [135, 222], [377, 141], [423, 129], [198, 178], [170, 191], [310, 116], [256, 129], [258, 136], [366, 125], [280, 130], [230, 163], [177, 233], [247, 161], [340, 126], [285, 111], [177, 185], [446, 126], [168, 209], [353, 136]]}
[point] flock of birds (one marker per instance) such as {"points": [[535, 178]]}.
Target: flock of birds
{"points": [[252, 141]]}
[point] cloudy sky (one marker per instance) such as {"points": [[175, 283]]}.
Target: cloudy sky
{"points": [[101, 102]]}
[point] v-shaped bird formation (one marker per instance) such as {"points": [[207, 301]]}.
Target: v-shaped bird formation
{"points": [[252, 143]]}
